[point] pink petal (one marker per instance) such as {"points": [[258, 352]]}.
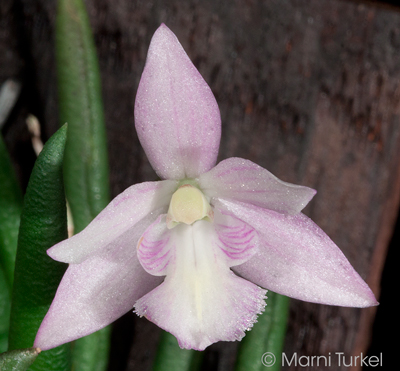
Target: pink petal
{"points": [[120, 215], [96, 292], [176, 115], [154, 248], [236, 239], [242, 180], [201, 301], [296, 258]]}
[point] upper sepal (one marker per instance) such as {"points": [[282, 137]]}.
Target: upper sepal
{"points": [[176, 115]]}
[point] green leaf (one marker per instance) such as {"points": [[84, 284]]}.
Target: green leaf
{"points": [[18, 360], [80, 105], [86, 162], [5, 305], [171, 357], [91, 352], [264, 343], [10, 212], [36, 278]]}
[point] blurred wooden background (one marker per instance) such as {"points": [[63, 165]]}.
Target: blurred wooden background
{"points": [[309, 89]]}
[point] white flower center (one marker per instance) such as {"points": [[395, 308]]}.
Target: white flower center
{"points": [[188, 204]]}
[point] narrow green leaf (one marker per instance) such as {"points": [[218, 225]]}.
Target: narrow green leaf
{"points": [[170, 357], [10, 212], [262, 346], [91, 352], [5, 305], [18, 360], [36, 278], [276, 339], [80, 105], [86, 162]]}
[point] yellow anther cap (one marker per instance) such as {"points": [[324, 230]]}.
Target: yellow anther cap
{"points": [[188, 204]]}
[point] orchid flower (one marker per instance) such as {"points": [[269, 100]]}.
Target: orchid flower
{"points": [[194, 252]]}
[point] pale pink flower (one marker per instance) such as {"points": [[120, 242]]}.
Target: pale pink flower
{"points": [[191, 252]]}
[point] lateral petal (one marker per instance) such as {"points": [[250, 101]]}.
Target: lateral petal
{"points": [[296, 258], [201, 301], [96, 292], [238, 179], [121, 214], [176, 115], [154, 248], [236, 239]]}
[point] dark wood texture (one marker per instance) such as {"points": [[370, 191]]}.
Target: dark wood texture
{"points": [[307, 89]]}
